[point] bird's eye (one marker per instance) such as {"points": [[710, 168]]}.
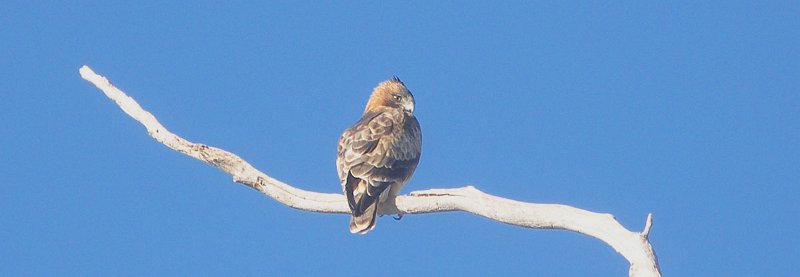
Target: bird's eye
{"points": [[396, 97]]}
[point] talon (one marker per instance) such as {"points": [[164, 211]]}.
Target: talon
{"points": [[399, 217]]}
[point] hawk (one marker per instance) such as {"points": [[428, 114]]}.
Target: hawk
{"points": [[379, 153]]}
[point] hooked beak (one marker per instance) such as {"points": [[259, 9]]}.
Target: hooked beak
{"points": [[408, 106]]}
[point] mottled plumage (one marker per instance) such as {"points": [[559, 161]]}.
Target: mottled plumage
{"points": [[378, 154]]}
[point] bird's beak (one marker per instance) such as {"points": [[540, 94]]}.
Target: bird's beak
{"points": [[408, 106]]}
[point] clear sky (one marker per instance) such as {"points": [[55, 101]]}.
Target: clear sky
{"points": [[687, 110]]}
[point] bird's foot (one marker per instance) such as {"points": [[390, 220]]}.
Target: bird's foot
{"points": [[398, 217]]}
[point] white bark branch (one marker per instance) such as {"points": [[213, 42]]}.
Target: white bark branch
{"points": [[634, 246]]}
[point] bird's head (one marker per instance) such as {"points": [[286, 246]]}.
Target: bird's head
{"points": [[391, 94]]}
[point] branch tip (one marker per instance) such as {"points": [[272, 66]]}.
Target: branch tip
{"points": [[647, 225]]}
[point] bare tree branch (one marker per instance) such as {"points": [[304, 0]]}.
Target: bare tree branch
{"points": [[634, 246]]}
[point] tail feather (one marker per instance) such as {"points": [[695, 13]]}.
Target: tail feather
{"points": [[365, 222], [363, 199]]}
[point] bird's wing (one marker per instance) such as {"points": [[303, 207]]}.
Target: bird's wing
{"points": [[379, 152]]}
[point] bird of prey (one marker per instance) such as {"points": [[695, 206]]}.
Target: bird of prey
{"points": [[379, 153]]}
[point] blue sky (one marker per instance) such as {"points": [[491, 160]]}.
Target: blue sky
{"points": [[687, 110]]}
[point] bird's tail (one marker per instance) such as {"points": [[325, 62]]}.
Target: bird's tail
{"points": [[363, 223], [364, 199]]}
